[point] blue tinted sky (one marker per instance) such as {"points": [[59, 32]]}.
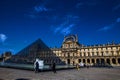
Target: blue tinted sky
{"points": [[24, 21]]}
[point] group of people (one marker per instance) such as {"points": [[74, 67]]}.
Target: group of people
{"points": [[38, 65], [81, 64]]}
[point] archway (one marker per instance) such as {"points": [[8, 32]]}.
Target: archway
{"points": [[102, 61], [97, 61], [119, 60], [83, 60], [88, 60], [93, 61], [113, 61], [108, 61], [79, 60]]}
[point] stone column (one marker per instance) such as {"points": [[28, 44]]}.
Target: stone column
{"points": [[112, 53], [100, 60], [95, 60], [111, 61], [76, 61], [71, 61], [105, 60], [90, 61], [116, 61], [81, 60], [86, 61]]}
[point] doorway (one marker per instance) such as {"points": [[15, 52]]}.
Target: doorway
{"points": [[68, 61]]}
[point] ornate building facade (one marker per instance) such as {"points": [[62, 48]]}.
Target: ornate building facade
{"points": [[72, 52]]}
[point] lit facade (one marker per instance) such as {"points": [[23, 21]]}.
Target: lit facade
{"points": [[72, 52]]}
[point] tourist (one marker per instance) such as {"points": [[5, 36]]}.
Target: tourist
{"points": [[36, 66], [77, 66], [54, 67], [81, 64]]}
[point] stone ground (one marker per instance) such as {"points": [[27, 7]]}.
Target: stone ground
{"points": [[71, 74]]}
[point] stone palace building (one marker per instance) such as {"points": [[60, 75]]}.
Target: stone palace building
{"points": [[71, 53]]}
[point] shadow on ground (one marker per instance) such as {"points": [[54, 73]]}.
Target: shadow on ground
{"points": [[22, 79]]}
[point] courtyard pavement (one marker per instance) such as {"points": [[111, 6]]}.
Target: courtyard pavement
{"points": [[71, 74]]}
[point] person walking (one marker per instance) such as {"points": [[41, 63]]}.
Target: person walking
{"points": [[36, 66], [54, 67], [77, 66]]}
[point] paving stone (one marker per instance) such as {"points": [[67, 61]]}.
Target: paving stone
{"points": [[71, 74]]}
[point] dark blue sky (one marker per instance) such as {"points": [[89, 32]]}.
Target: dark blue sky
{"points": [[24, 21]]}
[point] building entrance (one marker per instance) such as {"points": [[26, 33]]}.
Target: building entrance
{"points": [[68, 61]]}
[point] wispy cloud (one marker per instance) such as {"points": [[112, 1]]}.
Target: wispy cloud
{"points": [[80, 4], [3, 37], [71, 17], [105, 28], [40, 8], [116, 7], [110, 26], [57, 29], [118, 20], [64, 29], [66, 25], [4, 46], [67, 30], [37, 11]]}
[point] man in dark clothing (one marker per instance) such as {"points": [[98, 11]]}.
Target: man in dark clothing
{"points": [[36, 67], [54, 67]]}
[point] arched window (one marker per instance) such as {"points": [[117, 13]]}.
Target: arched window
{"points": [[119, 60], [113, 61]]}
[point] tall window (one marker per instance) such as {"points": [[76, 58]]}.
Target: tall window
{"points": [[84, 54], [92, 53], [102, 53], [68, 54]]}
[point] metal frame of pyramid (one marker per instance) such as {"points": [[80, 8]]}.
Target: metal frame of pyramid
{"points": [[37, 49]]}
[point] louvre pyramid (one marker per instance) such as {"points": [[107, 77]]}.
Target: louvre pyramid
{"points": [[37, 49], [36, 46]]}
